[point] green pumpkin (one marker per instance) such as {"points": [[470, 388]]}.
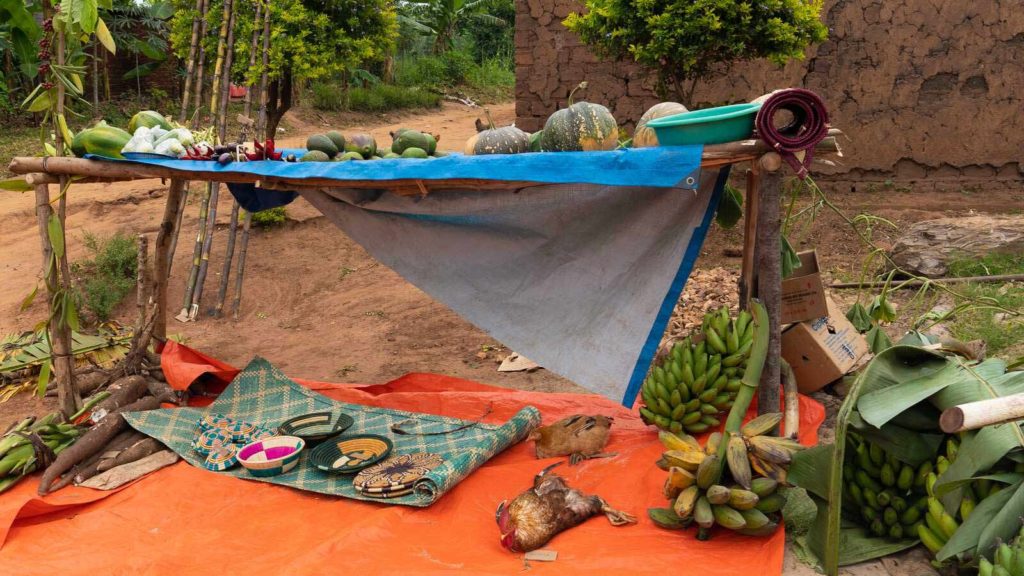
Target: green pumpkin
{"points": [[504, 140], [581, 126], [644, 136]]}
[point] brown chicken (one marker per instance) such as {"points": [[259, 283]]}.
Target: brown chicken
{"points": [[579, 437], [537, 515]]}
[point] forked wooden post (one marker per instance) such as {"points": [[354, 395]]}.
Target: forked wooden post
{"points": [[748, 273], [60, 333], [162, 251], [769, 276]]}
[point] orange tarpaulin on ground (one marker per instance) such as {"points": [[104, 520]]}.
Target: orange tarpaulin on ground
{"points": [[184, 520]]}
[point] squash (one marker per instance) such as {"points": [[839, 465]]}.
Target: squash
{"points": [[504, 140], [581, 126], [643, 136], [149, 119], [102, 140]]}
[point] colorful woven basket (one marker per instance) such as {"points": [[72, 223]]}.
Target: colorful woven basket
{"points": [[350, 455], [315, 427], [222, 458], [395, 476], [271, 456], [210, 440]]}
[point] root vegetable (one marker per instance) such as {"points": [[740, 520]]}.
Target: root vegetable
{"points": [[161, 390], [86, 383], [136, 451], [123, 391], [93, 441]]}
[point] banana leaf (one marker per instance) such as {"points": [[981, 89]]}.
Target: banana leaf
{"points": [[997, 516]]}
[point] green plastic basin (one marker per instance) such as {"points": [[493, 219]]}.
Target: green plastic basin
{"points": [[707, 126]]}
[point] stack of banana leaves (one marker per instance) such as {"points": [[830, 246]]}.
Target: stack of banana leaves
{"points": [[893, 480]]}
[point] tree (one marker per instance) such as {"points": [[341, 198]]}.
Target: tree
{"points": [[442, 19], [310, 39], [684, 41]]}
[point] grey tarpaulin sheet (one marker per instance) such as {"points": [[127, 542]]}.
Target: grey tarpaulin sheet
{"points": [[580, 278]]}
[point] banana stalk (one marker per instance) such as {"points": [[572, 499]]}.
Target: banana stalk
{"points": [[750, 381]]}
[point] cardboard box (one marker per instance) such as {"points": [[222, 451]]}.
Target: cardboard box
{"points": [[803, 294], [821, 351]]}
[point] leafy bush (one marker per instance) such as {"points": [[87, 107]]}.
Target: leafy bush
{"points": [[445, 70], [269, 218], [374, 98], [687, 40], [109, 275]]}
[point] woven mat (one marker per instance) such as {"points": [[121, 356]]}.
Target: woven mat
{"points": [[262, 394]]}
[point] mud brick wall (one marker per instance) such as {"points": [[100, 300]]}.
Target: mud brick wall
{"points": [[925, 89]]}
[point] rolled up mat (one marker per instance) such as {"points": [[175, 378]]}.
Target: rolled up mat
{"points": [[808, 127]]}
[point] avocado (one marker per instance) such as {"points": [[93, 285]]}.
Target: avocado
{"points": [[390, 155], [411, 139], [314, 156], [352, 156], [364, 144], [323, 144], [414, 152], [337, 138], [431, 144]]}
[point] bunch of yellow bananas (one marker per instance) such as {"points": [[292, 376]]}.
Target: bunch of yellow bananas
{"points": [[696, 382], [703, 489]]}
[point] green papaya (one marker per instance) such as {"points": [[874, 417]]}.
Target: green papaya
{"points": [[314, 156], [102, 140], [323, 144], [149, 119], [415, 153]]}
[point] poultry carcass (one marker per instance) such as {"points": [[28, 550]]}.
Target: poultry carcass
{"points": [[534, 517], [579, 437]]}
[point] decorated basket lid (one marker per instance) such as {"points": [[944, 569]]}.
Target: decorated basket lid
{"points": [[395, 476], [316, 426], [242, 431], [349, 455], [214, 421], [206, 442], [221, 458]]}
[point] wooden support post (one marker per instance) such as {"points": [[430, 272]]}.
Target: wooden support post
{"points": [[59, 332], [748, 273], [161, 266], [769, 277]]}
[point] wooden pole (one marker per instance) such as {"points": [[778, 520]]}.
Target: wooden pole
{"points": [[197, 253], [225, 77], [204, 257], [229, 254], [748, 272], [190, 65], [975, 415], [240, 272], [177, 229], [161, 263], [141, 284], [60, 348], [769, 278], [261, 122]]}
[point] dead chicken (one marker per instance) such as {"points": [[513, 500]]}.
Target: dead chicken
{"points": [[537, 515], [579, 437]]}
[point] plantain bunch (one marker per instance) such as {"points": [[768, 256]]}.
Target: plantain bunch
{"points": [[1008, 559], [696, 382], [739, 493], [939, 525], [889, 495]]}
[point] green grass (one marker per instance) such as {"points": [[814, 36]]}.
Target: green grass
{"points": [[17, 142], [375, 98], [109, 275], [1003, 332], [269, 218]]}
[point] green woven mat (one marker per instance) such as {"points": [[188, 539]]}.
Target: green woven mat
{"points": [[262, 394]]}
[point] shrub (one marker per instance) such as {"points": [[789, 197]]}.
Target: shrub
{"points": [[109, 275], [269, 218], [328, 96], [386, 97]]}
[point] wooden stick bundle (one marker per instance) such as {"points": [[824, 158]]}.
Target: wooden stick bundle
{"points": [[975, 415]]}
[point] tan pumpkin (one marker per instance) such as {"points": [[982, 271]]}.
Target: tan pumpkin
{"points": [[644, 137]]}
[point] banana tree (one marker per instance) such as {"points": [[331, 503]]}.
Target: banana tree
{"points": [[442, 19]]}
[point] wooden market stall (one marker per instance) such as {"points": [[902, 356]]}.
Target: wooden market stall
{"points": [[761, 269]]}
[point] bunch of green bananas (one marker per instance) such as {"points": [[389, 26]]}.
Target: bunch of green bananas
{"points": [[1007, 561], [696, 382], [890, 495], [18, 454], [704, 490]]}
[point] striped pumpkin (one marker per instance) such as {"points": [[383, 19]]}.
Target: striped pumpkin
{"points": [[643, 136], [581, 126]]}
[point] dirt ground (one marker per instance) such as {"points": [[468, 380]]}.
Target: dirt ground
{"points": [[317, 305]]}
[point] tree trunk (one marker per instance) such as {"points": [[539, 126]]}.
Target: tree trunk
{"points": [[96, 79], [193, 49], [161, 256], [281, 99]]}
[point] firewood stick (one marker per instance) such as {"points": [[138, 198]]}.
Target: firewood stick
{"points": [[229, 253], [140, 449], [974, 415], [240, 272], [791, 422]]}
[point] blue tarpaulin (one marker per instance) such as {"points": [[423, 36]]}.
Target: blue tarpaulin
{"points": [[578, 272]]}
